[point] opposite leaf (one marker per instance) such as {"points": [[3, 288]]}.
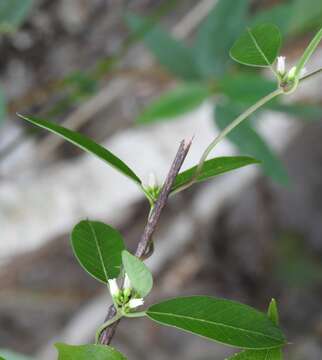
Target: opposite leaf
{"points": [[225, 321], [174, 103], [258, 46], [212, 168], [86, 144], [98, 248], [139, 275], [86, 352]]}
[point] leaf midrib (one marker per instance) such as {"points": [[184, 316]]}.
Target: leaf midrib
{"points": [[210, 322], [257, 46]]}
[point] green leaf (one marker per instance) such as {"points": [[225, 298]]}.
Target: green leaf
{"points": [[303, 111], [225, 321], [233, 86], [174, 103], [212, 168], [172, 54], [258, 46], [270, 354], [138, 273], [272, 312], [250, 142], [10, 355], [217, 34], [86, 352], [12, 13], [85, 144], [98, 248]]}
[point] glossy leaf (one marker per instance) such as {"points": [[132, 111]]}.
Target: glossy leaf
{"points": [[217, 34], [172, 54], [249, 142], [86, 352], [12, 13], [212, 168], [225, 321], [174, 103], [98, 248], [85, 144], [138, 273], [258, 46]]}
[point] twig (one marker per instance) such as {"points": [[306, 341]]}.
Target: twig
{"points": [[145, 241]]}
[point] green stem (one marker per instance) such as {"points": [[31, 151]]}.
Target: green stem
{"points": [[135, 314], [310, 75], [117, 317], [226, 131]]}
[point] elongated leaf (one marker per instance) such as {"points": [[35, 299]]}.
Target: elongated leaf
{"points": [[172, 54], [249, 142], [138, 273], [12, 13], [85, 144], [217, 34], [98, 248], [88, 352], [258, 46], [220, 320], [174, 103], [212, 168]]}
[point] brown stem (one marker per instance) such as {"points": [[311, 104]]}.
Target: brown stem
{"points": [[146, 238]]}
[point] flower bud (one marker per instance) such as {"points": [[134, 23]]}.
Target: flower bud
{"points": [[114, 289], [134, 303]]}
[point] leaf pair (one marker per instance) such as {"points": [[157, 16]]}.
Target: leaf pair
{"points": [[101, 252]]}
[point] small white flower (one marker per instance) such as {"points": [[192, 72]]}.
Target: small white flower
{"points": [[281, 65], [114, 289], [127, 283], [134, 303]]}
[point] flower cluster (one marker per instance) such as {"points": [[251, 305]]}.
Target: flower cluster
{"points": [[124, 298], [288, 79]]}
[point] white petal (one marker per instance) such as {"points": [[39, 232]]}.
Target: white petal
{"points": [[134, 303], [127, 282], [114, 289], [281, 64]]}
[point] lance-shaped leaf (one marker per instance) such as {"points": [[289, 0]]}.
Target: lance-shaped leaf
{"points": [[258, 46], [138, 273], [171, 53], [269, 354], [85, 144], [87, 352], [224, 321], [175, 102], [98, 248], [250, 142], [212, 168]]}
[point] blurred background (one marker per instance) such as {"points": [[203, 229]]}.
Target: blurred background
{"points": [[138, 77]]}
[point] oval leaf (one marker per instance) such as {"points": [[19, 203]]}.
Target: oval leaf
{"points": [[258, 46], [86, 352], [225, 321], [85, 144], [212, 168], [98, 248], [138, 273], [174, 103]]}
